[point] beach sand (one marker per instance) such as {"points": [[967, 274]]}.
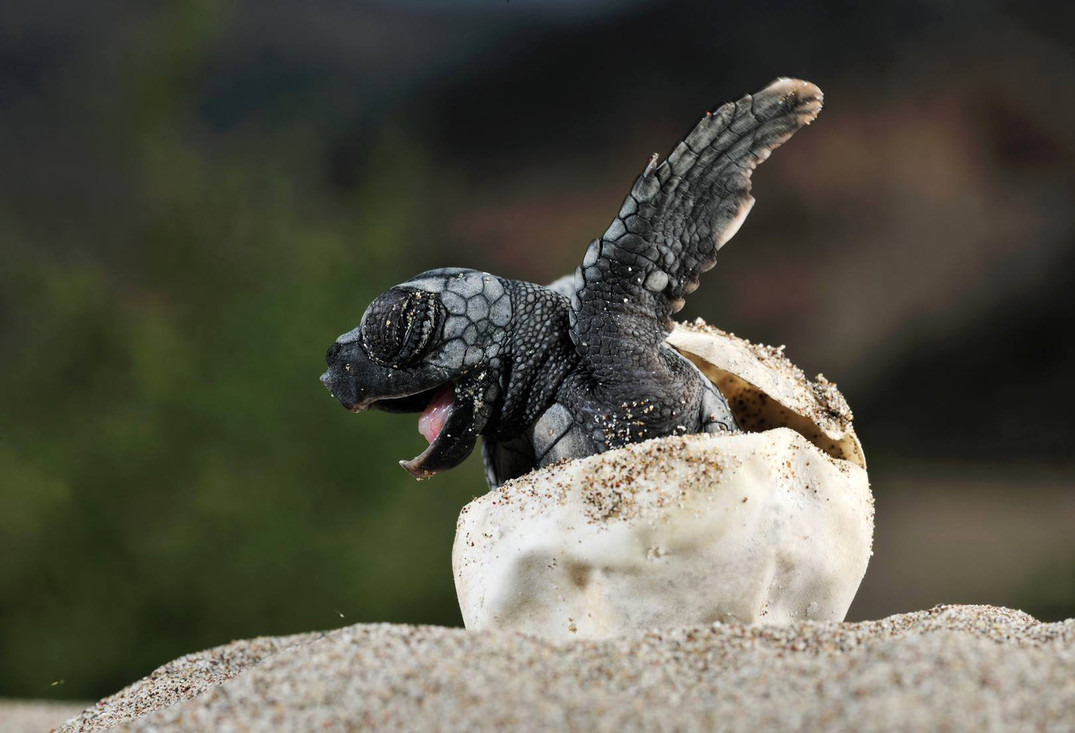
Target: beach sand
{"points": [[962, 667]]}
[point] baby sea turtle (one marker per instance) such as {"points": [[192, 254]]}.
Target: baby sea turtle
{"points": [[580, 366]]}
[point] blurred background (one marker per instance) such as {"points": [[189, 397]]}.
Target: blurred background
{"points": [[197, 197]]}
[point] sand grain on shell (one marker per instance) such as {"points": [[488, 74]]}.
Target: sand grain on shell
{"points": [[613, 486], [965, 667]]}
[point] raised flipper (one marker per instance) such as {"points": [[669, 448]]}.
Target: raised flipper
{"points": [[671, 225]]}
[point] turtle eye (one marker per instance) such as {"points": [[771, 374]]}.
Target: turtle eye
{"points": [[399, 326]]}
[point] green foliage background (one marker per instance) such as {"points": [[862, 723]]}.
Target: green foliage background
{"points": [[172, 473]]}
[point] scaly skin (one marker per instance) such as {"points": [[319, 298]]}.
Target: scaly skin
{"points": [[581, 366]]}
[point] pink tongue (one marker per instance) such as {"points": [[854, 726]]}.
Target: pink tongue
{"points": [[436, 414]]}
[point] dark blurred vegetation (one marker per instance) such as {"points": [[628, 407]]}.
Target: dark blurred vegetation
{"points": [[197, 197]]}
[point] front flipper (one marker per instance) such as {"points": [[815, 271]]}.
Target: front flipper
{"points": [[671, 225], [506, 459], [556, 435]]}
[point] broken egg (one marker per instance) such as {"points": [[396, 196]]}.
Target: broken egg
{"points": [[772, 525]]}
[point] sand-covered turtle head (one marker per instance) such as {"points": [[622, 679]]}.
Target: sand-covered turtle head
{"points": [[431, 346]]}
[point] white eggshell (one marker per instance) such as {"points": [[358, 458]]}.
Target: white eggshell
{"points": [[770, 526]]}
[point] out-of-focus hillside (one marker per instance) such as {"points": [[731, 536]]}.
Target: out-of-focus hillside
{"points": [[196, 200]]}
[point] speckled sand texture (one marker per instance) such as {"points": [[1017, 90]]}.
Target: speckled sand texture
{"points": [[960, 667]]}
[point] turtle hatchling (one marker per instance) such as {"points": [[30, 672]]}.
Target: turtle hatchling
{"points": [[582, 366]]}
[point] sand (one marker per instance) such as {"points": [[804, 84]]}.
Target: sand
{"points": [[961, 667]]}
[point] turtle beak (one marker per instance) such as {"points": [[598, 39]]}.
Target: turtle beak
{"points": [[359, 384]]}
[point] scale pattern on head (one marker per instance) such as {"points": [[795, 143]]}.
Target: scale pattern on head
{"points": [[478, 311], [431, 345], [450, 318]]}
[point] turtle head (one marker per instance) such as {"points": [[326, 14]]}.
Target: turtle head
{"points": [[431, 345]]}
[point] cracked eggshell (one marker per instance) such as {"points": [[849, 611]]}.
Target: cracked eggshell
{"points": [[770, 526], [765, 390]]}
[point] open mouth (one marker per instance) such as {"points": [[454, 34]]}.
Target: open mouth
{"points": [[435, 415], [444, 424], [411, 403], [435, 406]]}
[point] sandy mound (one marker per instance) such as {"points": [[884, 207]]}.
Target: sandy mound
{"points": [[968, 667]]}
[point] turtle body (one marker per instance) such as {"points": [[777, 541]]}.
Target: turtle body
{"points": [[582, 366]]}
